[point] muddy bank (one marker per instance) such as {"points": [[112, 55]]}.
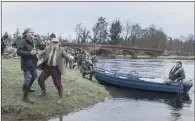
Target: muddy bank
{"points": [[79, 93]]}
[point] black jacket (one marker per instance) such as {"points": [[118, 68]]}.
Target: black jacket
{"points": [[2, 46], [28, 61], [17, 42]]}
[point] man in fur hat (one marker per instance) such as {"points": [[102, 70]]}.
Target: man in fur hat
{"points": [[27, 52]]}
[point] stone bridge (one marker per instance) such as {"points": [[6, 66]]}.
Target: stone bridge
{"points": [[114, 50]]}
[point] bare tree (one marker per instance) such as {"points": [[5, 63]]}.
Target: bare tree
{"points": [[78, 31], [127, 32], [135, 33], [84, 35]]}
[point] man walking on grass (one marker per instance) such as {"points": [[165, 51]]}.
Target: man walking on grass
{"points": [[52, 65], [27, 52]]}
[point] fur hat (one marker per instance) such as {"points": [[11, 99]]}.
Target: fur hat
{"points": [[24, 33]]}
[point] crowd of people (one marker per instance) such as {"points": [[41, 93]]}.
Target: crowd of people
{"points": [[52, 54], [9, 49]]}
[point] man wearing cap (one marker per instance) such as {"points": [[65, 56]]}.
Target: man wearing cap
{"points": [[52, 65], [177, 72], [27, 52]]}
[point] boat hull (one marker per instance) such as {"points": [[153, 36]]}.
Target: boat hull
{"points": [[136, 83]]}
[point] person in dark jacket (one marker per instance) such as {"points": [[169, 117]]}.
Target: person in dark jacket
{"points": [[27, 52], [2, 46], [17, 42], [5, 36], [177, 73], [3, 42]]}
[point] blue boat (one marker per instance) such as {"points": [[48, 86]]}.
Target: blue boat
{"points": [[130, 81]]}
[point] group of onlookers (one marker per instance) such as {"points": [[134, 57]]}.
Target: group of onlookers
{"points": [[52, 55]]}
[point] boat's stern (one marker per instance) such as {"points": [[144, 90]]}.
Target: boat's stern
{"points": [[187, 84]]}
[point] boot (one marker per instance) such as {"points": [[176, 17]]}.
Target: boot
{"points": [[25, 94], [30, 85], [91, 75], [84, 75], [43, 93], [60, 92], [24, 87]]}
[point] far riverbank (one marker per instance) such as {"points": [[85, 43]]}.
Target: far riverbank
{"points": [[158, 57]]}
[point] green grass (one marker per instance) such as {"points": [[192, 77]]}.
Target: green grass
{"points": [[79, 93]]}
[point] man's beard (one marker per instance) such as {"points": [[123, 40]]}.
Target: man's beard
{"points": [[55, 45]]}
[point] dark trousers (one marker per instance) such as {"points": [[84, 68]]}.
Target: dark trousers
{"points": [[90, 73], [67, 61], [54, 72]]}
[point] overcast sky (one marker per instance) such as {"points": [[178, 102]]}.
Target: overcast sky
{"points": [[176, 18]]}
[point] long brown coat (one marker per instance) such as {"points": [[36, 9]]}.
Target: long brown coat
{"points": [[61, 54]]}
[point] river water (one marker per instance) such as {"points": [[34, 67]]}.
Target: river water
{"points": [[134, 105]]}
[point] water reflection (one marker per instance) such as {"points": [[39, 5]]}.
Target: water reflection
{"points": [[117, 93], [173, 100]]}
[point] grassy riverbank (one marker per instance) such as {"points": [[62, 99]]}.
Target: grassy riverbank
{"points": [[78, 93]]}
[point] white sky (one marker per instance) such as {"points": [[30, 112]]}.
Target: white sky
{"points": [[176, 18]]}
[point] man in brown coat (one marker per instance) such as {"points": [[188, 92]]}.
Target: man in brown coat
{"points": [[52, 65]]}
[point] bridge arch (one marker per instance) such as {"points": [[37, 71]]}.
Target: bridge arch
{"points": [[128, 51], [109, 52], [114, 49], [147, 53]]}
